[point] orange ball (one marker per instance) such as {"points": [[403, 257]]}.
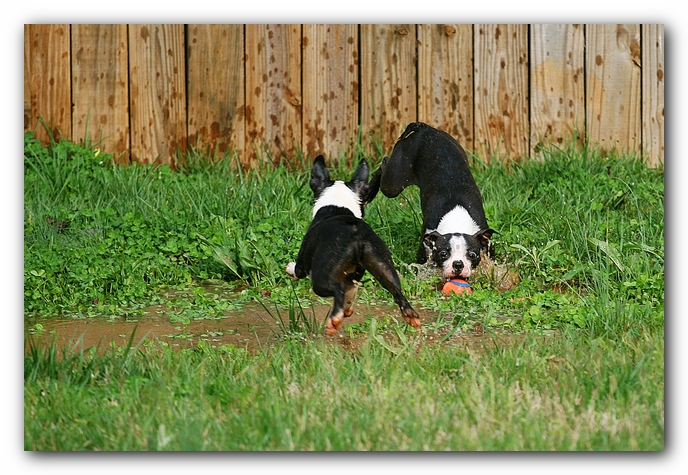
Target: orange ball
{"points": [[457, 286]]}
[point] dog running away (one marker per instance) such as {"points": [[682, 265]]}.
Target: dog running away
{"points": [[455, 231], [339, 246]]}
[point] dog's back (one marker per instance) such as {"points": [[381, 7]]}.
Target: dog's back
{"points": [[431, 159]]}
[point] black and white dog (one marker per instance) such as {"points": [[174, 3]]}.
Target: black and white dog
{"points": [[339, 246], [455, 230]]}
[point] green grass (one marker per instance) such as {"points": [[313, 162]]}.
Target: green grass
{"points": [[555, 393], [576, 356]]}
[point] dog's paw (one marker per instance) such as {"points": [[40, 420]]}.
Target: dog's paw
{"points": [[334, 324], [291, 270], [411, 317]]}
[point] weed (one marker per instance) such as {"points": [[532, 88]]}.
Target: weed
{"points": [[297, 322]]}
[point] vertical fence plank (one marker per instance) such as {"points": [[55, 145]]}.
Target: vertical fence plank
{"points": [[330, 90], [613, 86], [158, 92], [557, 84], [407, 73], [501, 90], [100, 87], [47, 92], [445, 79], [273, 94], [388, 80], [215, 65], [653, 93]]}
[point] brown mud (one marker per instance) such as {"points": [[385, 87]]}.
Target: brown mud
{"points": [[250, 327]]}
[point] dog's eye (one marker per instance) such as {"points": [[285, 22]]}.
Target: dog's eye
{"points": [[444, 255], [472, 255]]}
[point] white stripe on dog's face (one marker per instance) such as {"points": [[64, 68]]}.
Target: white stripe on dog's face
{"points": [[339, 195], [459, 252], [457, 221]]}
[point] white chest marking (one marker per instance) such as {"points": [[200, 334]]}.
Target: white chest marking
{"points": [[339, 195], [457, 221]]}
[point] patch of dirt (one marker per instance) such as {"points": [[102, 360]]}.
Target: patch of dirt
{"points": [[242, 330], [250, 327]]}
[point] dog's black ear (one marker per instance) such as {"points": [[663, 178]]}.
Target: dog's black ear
{"points": [[359, 181], [485, 236], [319, 169], [362, 172], [320, 176], [430, 239]]}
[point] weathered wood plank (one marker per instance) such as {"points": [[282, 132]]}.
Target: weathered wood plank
{"points": [[388, 81], [158, 92], [246, 90], [100, 85], [653, 93], [557, 84], [501, 91], [613, 86], [47, 91], [215, 66], [273, 95], [445, 79], [330, 90]]}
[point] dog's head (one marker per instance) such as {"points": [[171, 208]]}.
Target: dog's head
{"points": [[352, 195], [457, 254]]}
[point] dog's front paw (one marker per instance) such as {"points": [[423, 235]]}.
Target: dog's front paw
{"points": [[411, 316], [291, 270]]}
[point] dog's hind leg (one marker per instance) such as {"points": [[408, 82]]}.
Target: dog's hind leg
{"points": [[334, 321], [328, 287], [383, 270], [349, 296], [342, 308]]}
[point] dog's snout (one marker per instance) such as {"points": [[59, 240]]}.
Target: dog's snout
{"points": [[457, 265]]}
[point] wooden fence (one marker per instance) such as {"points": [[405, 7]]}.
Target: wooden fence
{"points": [[144, 91]]}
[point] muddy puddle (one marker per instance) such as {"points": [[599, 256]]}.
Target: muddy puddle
{"points": [[250, 327]]}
